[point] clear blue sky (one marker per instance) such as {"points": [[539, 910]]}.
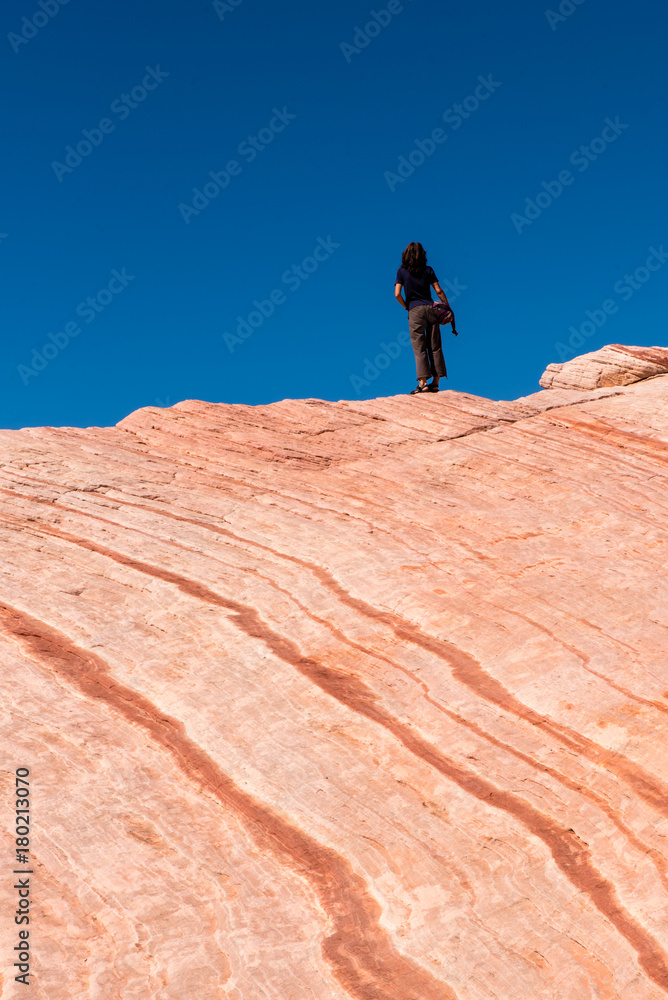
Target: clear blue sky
{"points": [[344, 106]]}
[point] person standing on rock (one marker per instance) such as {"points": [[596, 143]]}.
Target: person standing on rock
{"points": [[415, 280]]}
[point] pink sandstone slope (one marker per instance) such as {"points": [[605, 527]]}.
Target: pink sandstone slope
{"points": [[344, 701]]}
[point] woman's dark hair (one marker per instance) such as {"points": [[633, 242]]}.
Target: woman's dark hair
{"points": [[414, 258]]}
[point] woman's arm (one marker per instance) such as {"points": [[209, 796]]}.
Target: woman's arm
{"points": [[398, 294]]}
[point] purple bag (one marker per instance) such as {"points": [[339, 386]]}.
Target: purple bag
{"points": [[442, 312]]}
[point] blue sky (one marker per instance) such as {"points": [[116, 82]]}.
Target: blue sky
{"points": [[124, 287]]}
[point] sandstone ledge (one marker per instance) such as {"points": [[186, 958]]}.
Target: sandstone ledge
{"points": [[615, 364]]}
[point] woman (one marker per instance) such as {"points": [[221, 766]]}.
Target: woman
{"points": [[415, 279]]}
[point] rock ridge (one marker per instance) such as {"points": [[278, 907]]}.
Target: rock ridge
{"points": [[615, 364]]}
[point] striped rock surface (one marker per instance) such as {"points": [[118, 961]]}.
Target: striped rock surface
{"points": [[345, 701], [614, 364]]}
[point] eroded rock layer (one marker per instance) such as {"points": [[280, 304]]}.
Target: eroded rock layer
{"points": [[350, 701], [615, 364]]}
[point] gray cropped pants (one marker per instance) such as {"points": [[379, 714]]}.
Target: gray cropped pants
{"points": [[426, 340]]}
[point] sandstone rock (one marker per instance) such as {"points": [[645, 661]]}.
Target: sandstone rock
{"points": [[344, 700], [612, 365]]}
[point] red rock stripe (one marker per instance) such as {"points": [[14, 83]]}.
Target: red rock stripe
{"points": [[585, 660], [465, 668], [328, 581], [331, 584], [597, 800], [359, 952], [469, 672], [641, 445], [570, 854]]}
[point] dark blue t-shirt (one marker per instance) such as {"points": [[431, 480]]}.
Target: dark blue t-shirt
{"points": [[417, 287]]}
